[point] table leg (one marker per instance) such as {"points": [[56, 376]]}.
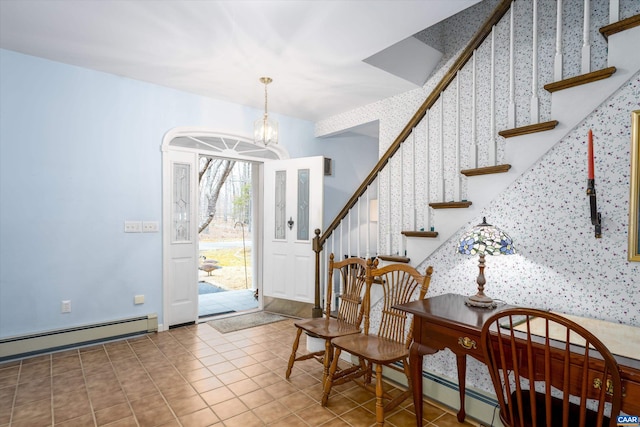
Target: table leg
{"points": [[415, 365], [461, 360]]}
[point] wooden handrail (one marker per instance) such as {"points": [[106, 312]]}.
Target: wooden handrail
{"points": [[477, 40]]}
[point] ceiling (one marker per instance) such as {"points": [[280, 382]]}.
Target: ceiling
{"points": [[313, 49]]}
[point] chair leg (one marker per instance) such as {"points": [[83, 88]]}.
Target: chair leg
{"points": [[379, 394], [328, 358], [294, 350], [329, 380]]}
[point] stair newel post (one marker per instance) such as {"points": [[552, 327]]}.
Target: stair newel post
{"points": [[316, 311]]}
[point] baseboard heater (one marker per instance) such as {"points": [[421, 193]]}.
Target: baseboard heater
{"points": [[28, 345]]}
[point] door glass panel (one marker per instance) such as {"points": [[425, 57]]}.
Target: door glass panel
{"points": [[281, 204], [303, 204], [180, 230]]}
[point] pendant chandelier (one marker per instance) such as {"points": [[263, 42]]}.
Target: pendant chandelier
{"points": [[265, 131]]}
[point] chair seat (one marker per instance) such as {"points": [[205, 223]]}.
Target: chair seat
{"points": [[327, 328], [371, 347]]}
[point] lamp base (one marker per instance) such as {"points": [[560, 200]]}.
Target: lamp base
{"points": [[481, 301]]}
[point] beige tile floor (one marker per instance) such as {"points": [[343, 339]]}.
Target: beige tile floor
{"points": [[189, 376]]}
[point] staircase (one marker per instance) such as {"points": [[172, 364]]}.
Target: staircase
{"points": [[519, 87]]}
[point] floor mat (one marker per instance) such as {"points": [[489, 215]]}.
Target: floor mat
{"points": [[244, 321]]}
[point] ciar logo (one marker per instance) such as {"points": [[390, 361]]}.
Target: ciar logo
{"points": [[628, 420]]}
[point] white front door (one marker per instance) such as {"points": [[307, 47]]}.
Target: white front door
{"points": [[180, 235], [293, 204]]}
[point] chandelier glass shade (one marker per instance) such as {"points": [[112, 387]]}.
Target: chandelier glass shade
{"points": [[265, 130]]}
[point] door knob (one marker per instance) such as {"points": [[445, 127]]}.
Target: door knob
{"points": [[290, 222]]}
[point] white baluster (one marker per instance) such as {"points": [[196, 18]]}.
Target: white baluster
{"points": [[444, 194], [333, 242], [535, 113], [368, 224], [474, 144], [428, 182], [402, 248], [413, 179], [511, 112], [389, 209], [358, 224], [614, 11], [557, 61], [457, 183], [493, 157], [341, 239], [586, 39], [349, 232]]}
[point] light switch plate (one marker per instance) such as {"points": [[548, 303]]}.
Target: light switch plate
{"points": [[150, 226], [133, 226]]}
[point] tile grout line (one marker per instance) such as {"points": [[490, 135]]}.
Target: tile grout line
{"points": [[86, 386], [135, 418]]}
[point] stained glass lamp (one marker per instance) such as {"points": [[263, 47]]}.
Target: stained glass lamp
{"points": [[484, 239]]}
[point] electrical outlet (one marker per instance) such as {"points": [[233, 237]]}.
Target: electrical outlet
{"points": [[138, 299], [133, 226], [150, 226], [65, 306]]}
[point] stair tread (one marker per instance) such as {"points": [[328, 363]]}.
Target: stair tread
{"points": [[523, 130], [594, 76], [619, 26], [394, 258], [451, 205], [486, 170], [420, 233]]}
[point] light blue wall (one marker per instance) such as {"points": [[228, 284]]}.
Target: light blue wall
{"points": [[79, 155]]}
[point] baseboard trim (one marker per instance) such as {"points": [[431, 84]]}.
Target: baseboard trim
{"points": [[29, 345]]}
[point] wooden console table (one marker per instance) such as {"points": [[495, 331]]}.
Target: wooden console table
{"points": [[445, 321]]}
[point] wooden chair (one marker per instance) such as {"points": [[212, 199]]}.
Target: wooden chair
{"points": [[350, 274], [400, 283], [545, 367]]}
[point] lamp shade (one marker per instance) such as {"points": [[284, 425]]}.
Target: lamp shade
{"points": [[485, 239]]}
